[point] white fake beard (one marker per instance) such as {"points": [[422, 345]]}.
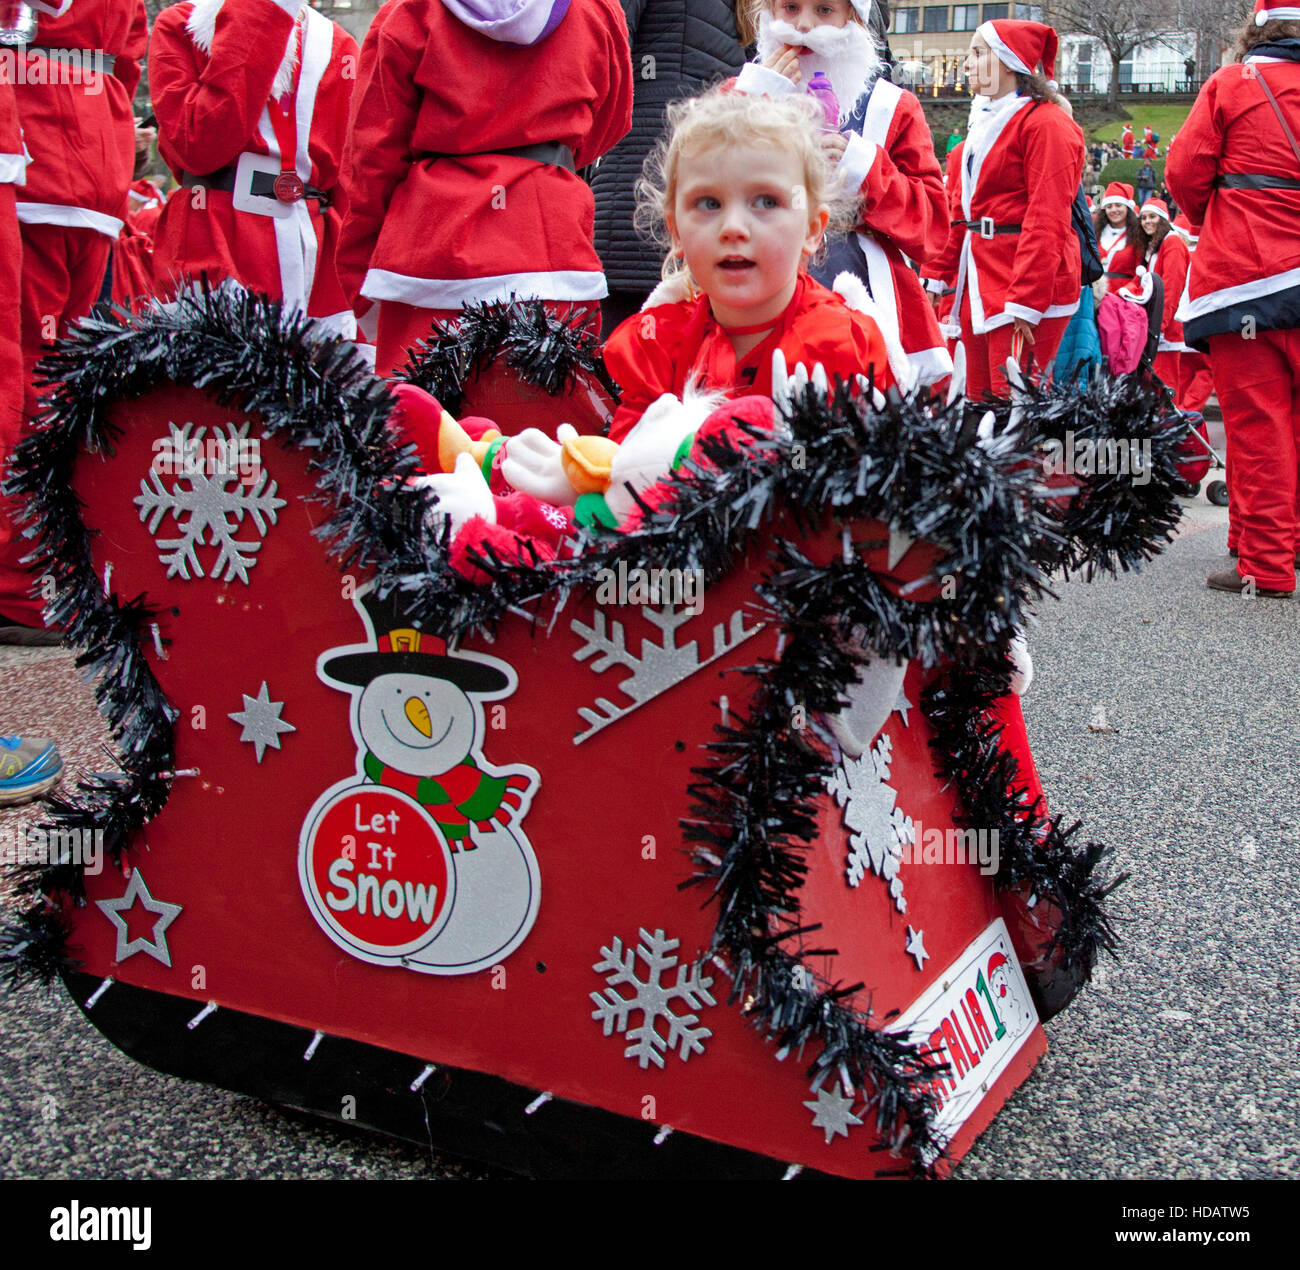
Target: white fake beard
{"points": [[845, 55]]}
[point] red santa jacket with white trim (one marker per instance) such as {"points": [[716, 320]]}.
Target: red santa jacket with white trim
{"points": [[1118, 258], [1026, 173], [230, 77], [661, 349], [437, 217], [1247, 258], [1171, 261], [80, 130]]}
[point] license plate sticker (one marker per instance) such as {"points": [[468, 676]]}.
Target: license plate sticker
{"points": [[977, 1015]]}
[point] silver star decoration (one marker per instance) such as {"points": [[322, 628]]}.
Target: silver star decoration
{"points": [[156, 947], [261, 721], [833, 1112], [899, 542], [902, 706], [916, 946]]}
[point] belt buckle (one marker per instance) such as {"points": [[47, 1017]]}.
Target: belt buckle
{"points": [[242, 197], [289, 187], [986, 227]]}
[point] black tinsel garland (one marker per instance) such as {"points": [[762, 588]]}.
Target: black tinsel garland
{"points": [[909, 465], [545, 349]]}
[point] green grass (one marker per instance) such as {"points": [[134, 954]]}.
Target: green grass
{"points": [[1166, 120]]}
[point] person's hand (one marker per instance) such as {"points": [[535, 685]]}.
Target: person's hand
{"points": [[833, 146], [1026, 330], [785, 61], [935, 299]]}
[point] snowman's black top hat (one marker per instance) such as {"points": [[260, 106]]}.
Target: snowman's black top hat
{"points": [[400, 649]]}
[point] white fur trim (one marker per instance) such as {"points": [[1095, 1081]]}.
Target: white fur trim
{"points": [[1022, 674], [13, 169], [47, 6], [202, 26], [73, 217], [859, 154], [853, 291], [1281, 14], [756, 80], [670, 291], [456, 293], [1005, 53]]}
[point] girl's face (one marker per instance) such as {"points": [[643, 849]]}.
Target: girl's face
{"points": [[988, 76], [1116, 214], [741, 221], [1150, 221], [806, 14]]}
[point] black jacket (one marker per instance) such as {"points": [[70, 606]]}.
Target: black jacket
{"points": [[679, 48]]}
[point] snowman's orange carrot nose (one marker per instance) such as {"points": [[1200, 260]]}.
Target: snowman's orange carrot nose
{"points": [[418, 713]]}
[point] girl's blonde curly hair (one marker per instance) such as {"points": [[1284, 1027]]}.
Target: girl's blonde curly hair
{"points": [[722, 117]]}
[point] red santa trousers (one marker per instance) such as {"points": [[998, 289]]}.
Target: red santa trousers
{"points": [[16, 603], [986, 355], [1258, 384], [1195, 382]]}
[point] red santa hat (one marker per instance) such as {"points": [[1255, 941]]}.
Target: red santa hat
{"points": [[1157, 205], [1266, 12], [1021, 46], [1140, 288], [1118, 194]]}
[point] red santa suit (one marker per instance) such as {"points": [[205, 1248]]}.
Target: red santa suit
{"points": [[15, 581], [1169, 260], [665, 346], [1126, 141], [1195, 381], [1019, 167], [79, 129], [133, 252], [1119, 257], [246, 90], [456, 196], [901, 211], [1233, 171]]}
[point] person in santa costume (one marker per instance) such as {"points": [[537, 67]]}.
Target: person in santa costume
{"points": [[1168, 257], [1235, 170], [1013, 255], [1195, 380], [80, 69], [252, 101], [133, 251], [457, 196], [883, 151], [1126, 141], [1120, 237]]}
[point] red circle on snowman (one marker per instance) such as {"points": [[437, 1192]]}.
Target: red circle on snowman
{"points": [[379, 871]]}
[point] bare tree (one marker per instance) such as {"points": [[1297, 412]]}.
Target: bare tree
{"points": [[1215, 24], [1120, 26]]}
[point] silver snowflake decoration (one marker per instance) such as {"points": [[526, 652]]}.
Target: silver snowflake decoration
{"points": [[208, 502], [833, 1112], [653, 998], [658, 667], [877, 828], [260, 719]]}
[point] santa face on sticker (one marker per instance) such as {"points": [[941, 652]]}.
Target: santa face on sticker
{"points": [[416, 723], [1013, 1008]]}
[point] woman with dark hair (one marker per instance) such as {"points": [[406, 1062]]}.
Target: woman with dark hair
{"points": [[1120, 239], [1235, 171], [1168, 257]]}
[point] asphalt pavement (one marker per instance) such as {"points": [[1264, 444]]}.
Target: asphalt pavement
{"points": [[1178, 1061]]}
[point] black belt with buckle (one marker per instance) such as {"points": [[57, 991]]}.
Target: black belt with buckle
{"points": [[551, 152], [287, 187], [1120, 275], [986, 228], [1255, 181], [107, 61]]}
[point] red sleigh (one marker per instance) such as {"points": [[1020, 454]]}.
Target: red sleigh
{"points": [[439, 889]]}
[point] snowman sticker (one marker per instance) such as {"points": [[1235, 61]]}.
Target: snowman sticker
{"points": [[1013, 1007], [420, 860]]}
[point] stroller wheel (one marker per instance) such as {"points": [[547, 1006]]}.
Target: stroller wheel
{"points": [[1217, 493]]}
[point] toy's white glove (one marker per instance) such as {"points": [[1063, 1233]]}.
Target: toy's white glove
{"points": [[533, 464], [647, 452], [462, 494], [1023, 673]]}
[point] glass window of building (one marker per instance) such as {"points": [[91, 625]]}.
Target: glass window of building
{"points": [[965, 17], [906, 21], [936, 18]]}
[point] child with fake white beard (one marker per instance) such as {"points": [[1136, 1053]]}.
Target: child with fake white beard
{"points": [[883, 150]]}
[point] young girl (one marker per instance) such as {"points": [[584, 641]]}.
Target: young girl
{"points": [[741, 188], [1167, 255], [882, 153], [1120, 239]]}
